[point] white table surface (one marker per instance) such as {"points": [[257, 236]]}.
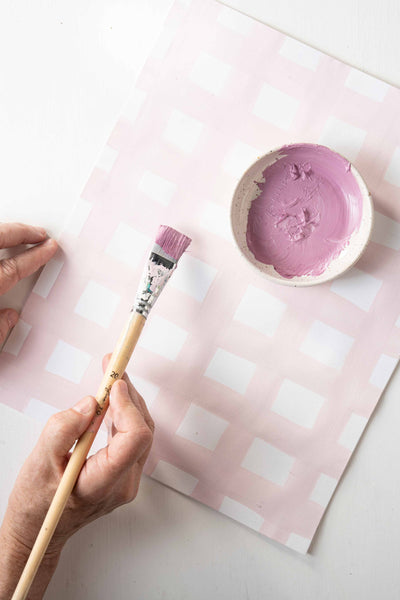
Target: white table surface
{"points": [[66, 68]]}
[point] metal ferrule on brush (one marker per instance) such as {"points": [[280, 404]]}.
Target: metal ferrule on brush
{"points": [[158, 270]]}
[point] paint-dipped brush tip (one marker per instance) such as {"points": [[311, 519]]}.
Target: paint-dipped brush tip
{"points": [[172, 242]]}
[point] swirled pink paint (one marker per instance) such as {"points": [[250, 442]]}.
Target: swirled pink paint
{"points": [[308, 208]]}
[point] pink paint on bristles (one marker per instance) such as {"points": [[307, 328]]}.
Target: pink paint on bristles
{"points": [[172, 242]]}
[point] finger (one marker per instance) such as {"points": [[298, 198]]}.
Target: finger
{"points": [[13, 234], [133, 436], [126, 489], [122, 459], [127, 486], [139, 402], [131, 441], [8, 318], [136, 398], [94, 490], [24, 264], [65, 427], [108, 419]]}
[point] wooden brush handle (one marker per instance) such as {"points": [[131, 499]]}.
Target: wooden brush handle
{"points": [[116, 367]]}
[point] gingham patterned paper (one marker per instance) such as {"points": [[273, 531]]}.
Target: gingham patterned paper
{"points": [[259, 392]]}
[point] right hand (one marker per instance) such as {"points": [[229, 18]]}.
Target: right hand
{"points": [[108, 479]]}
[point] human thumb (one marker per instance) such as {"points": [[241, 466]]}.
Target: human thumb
{"points": [[65, 427]]}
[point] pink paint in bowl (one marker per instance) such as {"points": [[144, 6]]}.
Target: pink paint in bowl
{"points": [[302, 214]]}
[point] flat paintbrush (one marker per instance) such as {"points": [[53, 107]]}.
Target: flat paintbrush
{"points": [[169, 247]]}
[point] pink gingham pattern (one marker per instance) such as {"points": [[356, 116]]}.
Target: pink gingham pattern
{"points": [[259, 392]]}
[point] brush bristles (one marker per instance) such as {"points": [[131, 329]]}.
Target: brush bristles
{"points": [[171, 242], [167, 250]]}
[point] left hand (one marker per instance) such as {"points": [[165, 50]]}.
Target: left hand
{"points": [[20, 266]]}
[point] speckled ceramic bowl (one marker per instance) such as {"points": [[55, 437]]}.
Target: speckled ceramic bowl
{"points": [[247, 190]]}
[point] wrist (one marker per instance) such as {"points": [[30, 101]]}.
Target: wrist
{"points": [[20, 542], [13, 557]]}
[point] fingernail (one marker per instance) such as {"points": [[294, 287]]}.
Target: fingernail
{"points": [[42, 231], [84, 406], [48, 242], [12, 318]]}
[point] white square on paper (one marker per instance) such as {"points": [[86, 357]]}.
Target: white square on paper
{"points": [[241, 513], [193, 277], [17, 338], [260, 310], [157, 188], [183, 131], [232, 19], [323, 490], [358, 287], [327, 344], [231, 370], [366, 85], [48, 277], [297, 404], [147, 389], [163, 337], [392, 174], [68, 362], [386, 231], [215, 218], [239, 158], [78, 217], [136, 101], [176, 478], [300, 53], [128, 245], [352, 431], [298, 543], [268, 462], [97, 303], [202, 427], [275, 106], [343, 137], [210, 73], [383, 370], [41, 411], [107, 158]]}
